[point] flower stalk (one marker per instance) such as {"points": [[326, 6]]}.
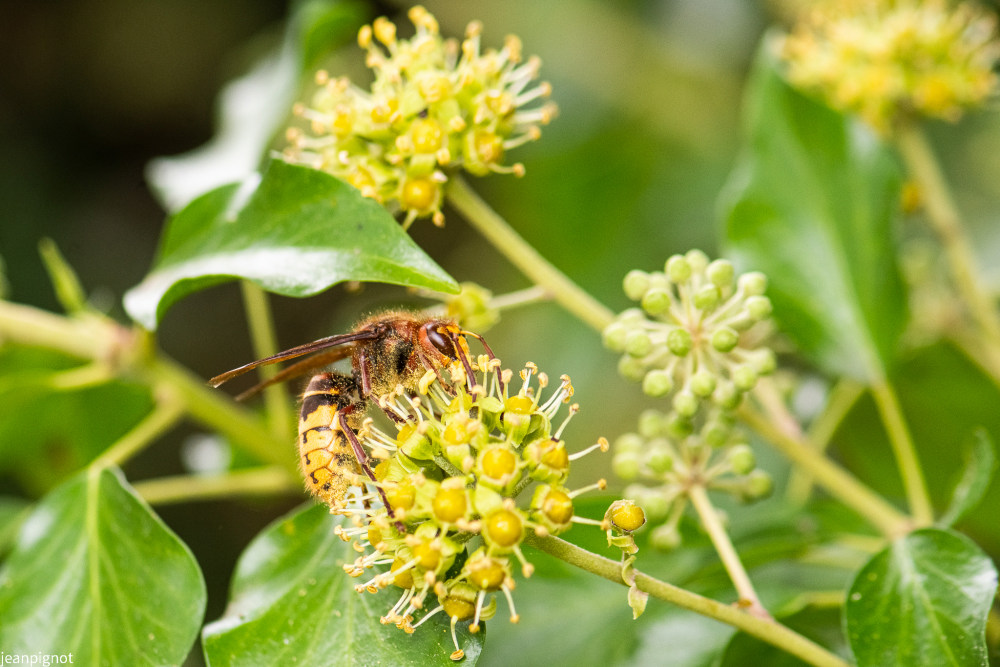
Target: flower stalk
{"points": [[766, 630], [521, 254]]}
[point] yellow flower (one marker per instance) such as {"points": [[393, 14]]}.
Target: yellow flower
{"points": [[435, 106], [888, 59]]}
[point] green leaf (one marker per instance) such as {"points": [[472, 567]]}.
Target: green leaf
{"points": [[812, 205], [292, 603], [922, 601], [253, 108], [95, 573], [299, 232], [980, 466]]}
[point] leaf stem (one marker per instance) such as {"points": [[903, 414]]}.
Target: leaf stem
{"points": [[841, 399], [766, 630], [792, 443], [265, 343], [944, 217], [522, 255], [164, 415], [904, 451], [727, 553], [190, 488]]}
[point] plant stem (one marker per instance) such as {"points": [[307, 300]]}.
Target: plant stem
{"points": [[220, 413], [265, 343], [157, 422], [191, 488], [522, 255], [942, 212], [97, 338], [841, 399], [727, 553], [904, 451], [838, 482], [766, 630]]}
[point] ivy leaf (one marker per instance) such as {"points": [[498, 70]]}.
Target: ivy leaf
{"points": [[300, 232], [812, 205], [980, 466], [95, 573], [253, 108], [292, 603], [922, 600]]}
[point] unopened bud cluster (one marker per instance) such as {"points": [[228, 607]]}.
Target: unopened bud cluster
{"points": [[436, 105], [447, 519], [693, 338], [666, 457], [885, 59]]}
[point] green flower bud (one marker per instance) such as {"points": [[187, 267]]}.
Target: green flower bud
{"points": [[685, 403], [725, 339], [631, 368], [702, 383], [678, 269], [614, 336], [656, 504], [637, 343], [697, 259], [707, 298], [657, 383], [758, 485], [715, 433], [635, 284], [626, 465], [741, 459], [744, 377], [679, 426], [631, 317], [629, 442], [753, 283], [726, 396], [679, 341], [651, 423], [758, 307], [720, 272], [763, 361], [661, 459], [656, 301], [665, 537]]}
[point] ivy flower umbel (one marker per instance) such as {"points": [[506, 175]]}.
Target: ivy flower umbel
{"points": [[435, 106], [453, 472], [887, 59], [665, 462], [695, 336]]}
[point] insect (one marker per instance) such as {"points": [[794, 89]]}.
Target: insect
{"points": [[387, 350]]}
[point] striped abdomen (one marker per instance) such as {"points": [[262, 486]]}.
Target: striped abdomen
{"points": [[325, 455]]}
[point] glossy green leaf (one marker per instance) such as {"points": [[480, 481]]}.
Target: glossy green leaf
{"points": [[297, 234], [922, 601], [95, 573], [812, 204], [292, 603], [980, 466], [253, 108]]}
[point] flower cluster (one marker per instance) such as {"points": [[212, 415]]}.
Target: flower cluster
{"points": [[694, 336], [435, 106], [669, 460], [884, 59], [450, 525]]}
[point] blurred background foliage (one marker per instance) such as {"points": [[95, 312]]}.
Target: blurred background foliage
{"points": [[629, 173]]}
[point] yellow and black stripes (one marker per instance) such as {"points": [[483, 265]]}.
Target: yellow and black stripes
{"points": [[326, 456]]}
